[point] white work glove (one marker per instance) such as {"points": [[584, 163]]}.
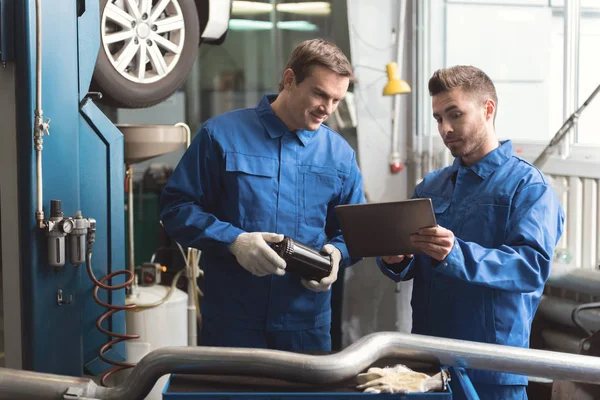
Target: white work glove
{"points": [[325, 284], [400, 379], [254, 254]]}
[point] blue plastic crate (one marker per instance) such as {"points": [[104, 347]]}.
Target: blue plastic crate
{"points": [[460, 389]]}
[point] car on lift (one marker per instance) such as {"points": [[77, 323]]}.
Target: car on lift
{"points": [[148, 47]]}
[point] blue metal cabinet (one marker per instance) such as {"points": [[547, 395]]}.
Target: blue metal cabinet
{"points": [[82, 167]]}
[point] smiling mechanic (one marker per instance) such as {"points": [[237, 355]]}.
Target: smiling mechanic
{"points": [[252, 176]]}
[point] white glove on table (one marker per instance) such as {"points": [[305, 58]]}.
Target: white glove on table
{"points": [[254, 254], [400, 379], [325, 283]]}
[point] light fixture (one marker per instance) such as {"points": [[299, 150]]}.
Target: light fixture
{"points": [[395, 85], [306, 8], [249, 25], [250, 8], [254, 25], [242, 7], [304, 26]]}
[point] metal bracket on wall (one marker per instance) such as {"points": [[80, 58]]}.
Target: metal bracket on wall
{"points": [[7, 50], [60, 298]]}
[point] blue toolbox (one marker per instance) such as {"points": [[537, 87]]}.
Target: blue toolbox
{"points": [[203, 387]]}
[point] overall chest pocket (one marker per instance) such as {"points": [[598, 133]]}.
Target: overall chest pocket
{"points": [[486, 221], [251, 186], [440, 206], [319, 186]]}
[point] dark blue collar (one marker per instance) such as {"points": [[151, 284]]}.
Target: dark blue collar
{"points": [[488, 164]]}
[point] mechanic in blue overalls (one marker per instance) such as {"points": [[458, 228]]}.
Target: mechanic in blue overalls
{"points": [[485, 265], [252, 176]]}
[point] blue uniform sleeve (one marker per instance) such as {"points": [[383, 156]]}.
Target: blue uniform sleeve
{"points": [[189, 198], [352, 193], [522, 263]]}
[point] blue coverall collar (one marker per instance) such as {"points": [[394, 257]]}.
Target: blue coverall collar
{"points": [[275, 126], [488, 164]]}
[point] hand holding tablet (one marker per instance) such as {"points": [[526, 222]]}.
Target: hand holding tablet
{"points": [[384, 229]]}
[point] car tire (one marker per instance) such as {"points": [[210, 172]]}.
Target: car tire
{"points": [[174, 33]]}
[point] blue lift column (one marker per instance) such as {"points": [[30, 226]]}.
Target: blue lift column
{"points": [[83, 168]]}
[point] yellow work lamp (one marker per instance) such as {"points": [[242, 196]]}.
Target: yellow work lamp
{"points": [[395, 85]]}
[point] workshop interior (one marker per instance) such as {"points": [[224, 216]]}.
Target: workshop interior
{"points": [[102, 98]]}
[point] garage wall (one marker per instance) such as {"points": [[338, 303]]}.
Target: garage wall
{"points": [[373, 302]]}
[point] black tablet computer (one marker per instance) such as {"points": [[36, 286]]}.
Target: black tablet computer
{"points": [[384, 229]]}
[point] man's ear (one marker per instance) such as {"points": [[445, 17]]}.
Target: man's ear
{"points": [[289, 79], [490, 108]]}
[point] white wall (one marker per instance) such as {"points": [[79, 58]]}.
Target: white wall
{"points": [[370, 301], [372, 41]]}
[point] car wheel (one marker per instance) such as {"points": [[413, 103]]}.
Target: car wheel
{"points": [[147, 49]]}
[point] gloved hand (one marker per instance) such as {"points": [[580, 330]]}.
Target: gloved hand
{"points": [[325, 283], [254, 254], [399, 379]]}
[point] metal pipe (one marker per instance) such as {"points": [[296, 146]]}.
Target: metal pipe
{"points": [[191, 288], [581, 280], [38, 54], [422, 63], [354, 359], [39, 213], [39, 127], [571, 15], [188, 133], [191, 270], [276, 41], [395, 157], [430, 133], [193, 96], [17, 384], [416, 75], [308, 368], [560, 310], [130, 230]]}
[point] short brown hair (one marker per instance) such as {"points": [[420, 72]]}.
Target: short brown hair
{"points": [[465, 77], [317, 52]]}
